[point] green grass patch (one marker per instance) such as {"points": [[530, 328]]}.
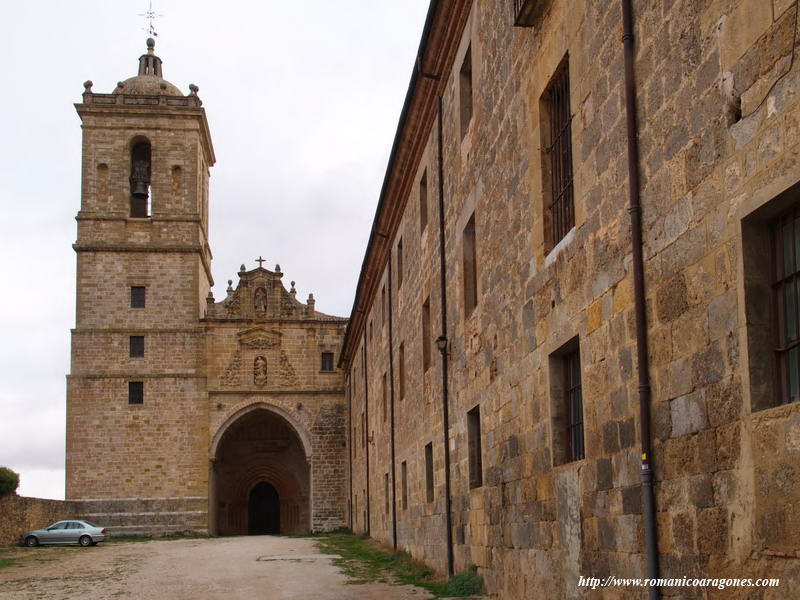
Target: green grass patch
{"points": [[363, 560]]}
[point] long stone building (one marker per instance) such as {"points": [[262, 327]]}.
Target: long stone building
{"points": [[573, 348]]}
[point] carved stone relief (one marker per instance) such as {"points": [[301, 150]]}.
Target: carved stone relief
{"points": [[260, 370], [260, 300], [232, 376]]}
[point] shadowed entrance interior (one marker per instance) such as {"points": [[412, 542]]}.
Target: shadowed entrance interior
{"points": [[261, 477], [263, 510]]}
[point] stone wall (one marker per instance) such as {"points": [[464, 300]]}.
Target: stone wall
{"points": [[727, 485], [19, 514]]}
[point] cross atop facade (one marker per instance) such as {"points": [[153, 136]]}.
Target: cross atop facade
{"points": [[150, 15], [260, 260]]}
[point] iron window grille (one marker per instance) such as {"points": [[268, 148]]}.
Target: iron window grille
{"points": [[574, 405], [561, 205], [785, 234], [474, 448], [429, 471]]}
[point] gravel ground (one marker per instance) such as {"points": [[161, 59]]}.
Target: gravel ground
{"points": [[192, 569]]}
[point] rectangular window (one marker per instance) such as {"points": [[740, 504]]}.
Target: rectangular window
{"points": [[136, 346], [785, 285], [327, 361], [426, 334], [423, 201], [386, 490], [363, 431], [465, 88], [404, 477], [574, 408], [474, 447], [383, 306], [470, 267], [135, 392], [384, 394], [429, 472], [399, 263], [566, 403], [556, 133], [137, 296], [401, 362], [370, 330]]}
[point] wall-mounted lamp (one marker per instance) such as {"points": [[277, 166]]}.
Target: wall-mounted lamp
{"points": [[441, 344]]}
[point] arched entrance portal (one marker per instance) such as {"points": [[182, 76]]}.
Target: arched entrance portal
{"points": [[263, 510], [261, 477]]}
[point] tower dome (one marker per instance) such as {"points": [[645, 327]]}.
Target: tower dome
{"points": [[149, 81]]}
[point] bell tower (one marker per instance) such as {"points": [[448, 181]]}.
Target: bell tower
{"points": [[136, 396]]}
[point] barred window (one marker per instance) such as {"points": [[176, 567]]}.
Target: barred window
{"points": [[429, 472], [557, 144], [574, 405], [566, 403], [426, 334], [474, 447], [785, 285]]}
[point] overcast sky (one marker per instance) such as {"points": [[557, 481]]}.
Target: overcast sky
{"points": [[302, 99]]}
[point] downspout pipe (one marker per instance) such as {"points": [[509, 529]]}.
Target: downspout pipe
{"points": [[351, 445], [391, 408], [635, 210], [366, 430], [443, 349]]}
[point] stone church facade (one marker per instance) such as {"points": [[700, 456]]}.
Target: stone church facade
{"points": [[183, 413]]}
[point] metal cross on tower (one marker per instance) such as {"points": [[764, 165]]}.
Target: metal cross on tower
{"points": [[151, 16], [260, 260]]}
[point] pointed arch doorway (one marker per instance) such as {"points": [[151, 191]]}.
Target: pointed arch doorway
{"points": [[260, 477]]}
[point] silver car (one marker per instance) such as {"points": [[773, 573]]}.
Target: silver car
{"points": [[66, 532]]}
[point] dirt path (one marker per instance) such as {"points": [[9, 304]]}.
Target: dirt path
{"points": [[219, 568]]}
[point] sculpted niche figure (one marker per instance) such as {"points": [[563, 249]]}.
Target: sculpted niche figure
{"points": [[260, 370], [260, 300]]}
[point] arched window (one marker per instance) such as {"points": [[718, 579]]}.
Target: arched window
{"points": [[140, 179]]}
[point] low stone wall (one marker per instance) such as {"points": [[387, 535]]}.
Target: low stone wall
{"points": [[19, 514]]}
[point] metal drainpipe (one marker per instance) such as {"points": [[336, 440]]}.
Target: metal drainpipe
{"points": [[445, 369], [635, 210], [365, 433], [391, 400], [352, 441]]}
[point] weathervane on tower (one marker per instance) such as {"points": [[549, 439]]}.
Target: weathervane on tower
{"points": [[150, 15]]}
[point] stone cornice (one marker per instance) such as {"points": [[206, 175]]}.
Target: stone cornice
{"points": [[190, 249], [169, 108]]}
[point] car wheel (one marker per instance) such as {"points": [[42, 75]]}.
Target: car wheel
{"points": [[85, 541], [31, 541]]}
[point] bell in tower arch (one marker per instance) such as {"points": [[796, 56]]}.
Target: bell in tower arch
{"points": [[140, 179]]}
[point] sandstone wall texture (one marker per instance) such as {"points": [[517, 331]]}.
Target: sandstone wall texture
{"points": [[21, 514], [234, 393], [717, 164]]}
